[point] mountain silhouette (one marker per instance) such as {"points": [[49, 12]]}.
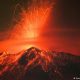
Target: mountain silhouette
{"points": [[37, 64]]}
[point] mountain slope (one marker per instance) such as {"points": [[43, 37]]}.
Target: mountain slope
{"points": [[36, 64]]}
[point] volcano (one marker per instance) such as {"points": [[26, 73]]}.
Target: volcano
{"points": [[37, 64]]}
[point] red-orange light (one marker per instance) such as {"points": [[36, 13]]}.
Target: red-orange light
{"points": [[32, 21]]}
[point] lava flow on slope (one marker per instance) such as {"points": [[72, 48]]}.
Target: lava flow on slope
{"points": [[37, 64]]}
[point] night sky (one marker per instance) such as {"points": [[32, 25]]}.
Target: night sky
{"points": [[64, 23]]}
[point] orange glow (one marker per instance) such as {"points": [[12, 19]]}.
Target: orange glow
{"points": [[27, 31], [33, 29], [32, 21]]}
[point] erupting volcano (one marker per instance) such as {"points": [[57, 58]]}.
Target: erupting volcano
{"points": [[29, 23], [34, 48]]}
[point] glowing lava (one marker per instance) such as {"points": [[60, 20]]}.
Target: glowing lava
{"points": [[32, 20], [28, 27]]}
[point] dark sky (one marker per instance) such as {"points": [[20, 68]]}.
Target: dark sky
{"points": [[68, 13]]}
